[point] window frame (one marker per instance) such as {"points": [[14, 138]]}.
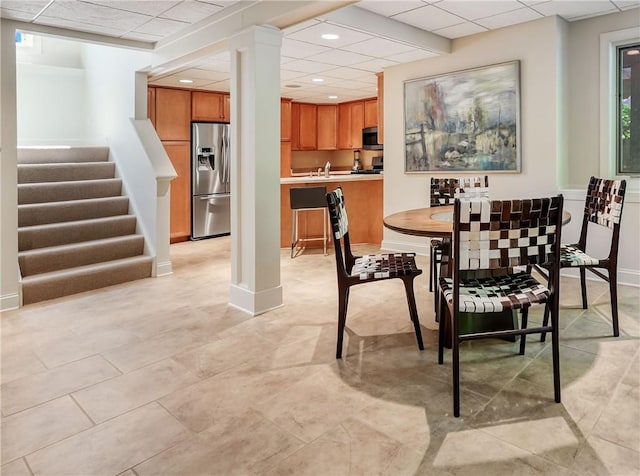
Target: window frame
{"points": [[609, 44]]}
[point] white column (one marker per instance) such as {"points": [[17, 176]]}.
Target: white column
{"points": [[255, 169], [9, 286]]}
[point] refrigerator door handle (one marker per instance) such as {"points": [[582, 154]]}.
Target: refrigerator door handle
{"points": [[215, 195]]}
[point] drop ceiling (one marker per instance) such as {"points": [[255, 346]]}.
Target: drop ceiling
{"points": [[346, 66]]}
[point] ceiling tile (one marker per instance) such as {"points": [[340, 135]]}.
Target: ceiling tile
{"points": [[153, 8], [389, 8], [191, 11], [300, 49], [375, 65], [471, 10], [345, 73], [462, 29], [31, 7], [306, 66], [307, 79], [575, 10], [98, 15], [313, 35], [74, 25], [174, 80], [339, 58], [16, 15], [510, 18], [428, 18], [287, 59], [161, 26], [378, 47], [411, 56], [626, 4], [286, 75]]}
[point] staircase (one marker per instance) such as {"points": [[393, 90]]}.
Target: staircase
{"points": [[74, 230]]}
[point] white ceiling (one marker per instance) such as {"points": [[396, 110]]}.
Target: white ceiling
{"points": [[346, 65]]}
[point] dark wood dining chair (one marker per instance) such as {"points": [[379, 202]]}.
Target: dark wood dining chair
{"points": [[602, 207], [353, 270], [489, 239], [443, 192]]}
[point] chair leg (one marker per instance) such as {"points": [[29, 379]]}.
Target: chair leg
{"points": [[583, 286], [413, 310], [613, 295], [545, 321], [441, 329], [294, 227], [431, 265], [555, 347], [456, 373], [343, 301], [523, 337]]}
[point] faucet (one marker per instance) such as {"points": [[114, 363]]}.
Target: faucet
{"points": [[327, 166]]}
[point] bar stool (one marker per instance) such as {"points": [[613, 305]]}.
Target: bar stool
{"points": [[307, 199]]}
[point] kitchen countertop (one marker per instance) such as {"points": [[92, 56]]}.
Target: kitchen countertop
{"points": [[339, 177]]}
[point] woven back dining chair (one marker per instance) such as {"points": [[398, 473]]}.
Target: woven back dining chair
{"points": [[489, 239], [603, 208], [443, 192], [353, 270]]}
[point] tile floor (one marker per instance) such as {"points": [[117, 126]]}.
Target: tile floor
{"points": [[162, 377]]}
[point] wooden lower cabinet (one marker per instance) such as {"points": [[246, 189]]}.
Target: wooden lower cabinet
{"points": [[180, 219], [363, 199]]}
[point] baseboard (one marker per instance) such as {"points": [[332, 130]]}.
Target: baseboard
{"points": [[402, 247], [626, 277], [9, 302], [255, 303], [163, 269]]}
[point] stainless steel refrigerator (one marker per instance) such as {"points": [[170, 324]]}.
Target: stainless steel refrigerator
{"points": [[210, 180]]}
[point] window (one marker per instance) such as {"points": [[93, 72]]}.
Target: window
{"points": [[628, 109]]}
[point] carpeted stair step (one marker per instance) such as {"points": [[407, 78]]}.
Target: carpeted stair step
{"points": [[71, 190], [42, 155], [41, 287], [54, 234], [73, 210], [63, 172], [54, 258]]}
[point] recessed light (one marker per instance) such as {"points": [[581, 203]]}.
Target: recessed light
{"points": [[318, 80], [633, 52], [332, 97], [186, 81], [329, 36]]}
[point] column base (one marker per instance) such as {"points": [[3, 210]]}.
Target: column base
{"points": [[255, 303]]}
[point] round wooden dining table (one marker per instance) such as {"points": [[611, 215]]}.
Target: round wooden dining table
{"points": [[435, 222]]}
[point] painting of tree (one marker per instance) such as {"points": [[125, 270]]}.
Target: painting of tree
{"points": [[464, 121]]}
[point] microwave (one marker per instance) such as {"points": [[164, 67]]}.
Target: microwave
{"points": [[370, 139]]}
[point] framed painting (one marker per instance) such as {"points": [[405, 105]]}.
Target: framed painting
{"points": [[464, 121]]}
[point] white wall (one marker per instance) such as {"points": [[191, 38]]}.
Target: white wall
{"points": [[51, 105], [539, 83], [559, 94], [111, 87]]}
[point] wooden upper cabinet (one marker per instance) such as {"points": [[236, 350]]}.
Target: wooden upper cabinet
{"points": [[380, 108], [344, 126], [173, 114], [151, 105], [207, 106], [285, 119], [226, 108], [308, 126], [357, 124], [295, 126], [327, 127], [350, 125], [370, 113]]}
